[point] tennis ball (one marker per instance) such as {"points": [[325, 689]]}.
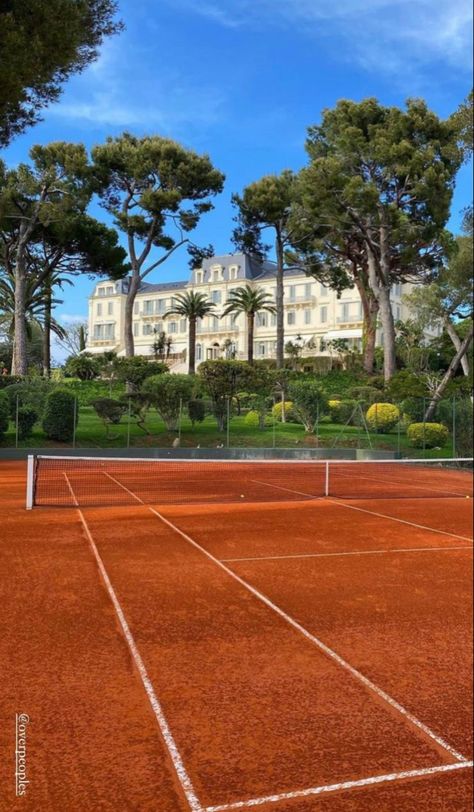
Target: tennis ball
{"points": [[242, 496]]}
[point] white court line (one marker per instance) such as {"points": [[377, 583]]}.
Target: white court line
{"points": [[363, 782], [175, 755], [352, 552], [371, 686], [371, 512]]}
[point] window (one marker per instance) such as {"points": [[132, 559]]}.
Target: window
{"points": [[216, 275], [160, 305], [233, 273], [104, 331], [110, 308], [148, 308], [182, 326], [323, 314], [261, 349], [173, 327], [398, 290], [147, 330], [135, 328], [214, 323], [101, 291], [199, 277], [198, 352], [233, 320], [399, 312], [261, 319], [291, 317], [159, 327], [323, 290], [308, 289], [273, 320], [109, 291], [292, 292], [344, 312], [216, 296], [99, 309], [307, 316], [136, 308]]}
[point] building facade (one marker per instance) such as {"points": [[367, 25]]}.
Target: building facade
{"points": [[314, 316]]}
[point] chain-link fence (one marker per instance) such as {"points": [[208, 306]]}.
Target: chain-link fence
{"points": [[399, 428]]}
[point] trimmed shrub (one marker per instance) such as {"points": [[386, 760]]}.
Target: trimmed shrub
{"points": [[196, 411], [252, 418], [342, 411], [58, 418], [110, 411], [290, 414], [364, 394], [427, 435], [32, 393], [382, 417], [167, 392], [84, 366], [413, 409], [309, 402], [134, 371], [9, 380], [27, 417], [4, 413]]}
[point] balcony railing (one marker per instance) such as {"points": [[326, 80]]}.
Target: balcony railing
{"points": [[349, 319]]}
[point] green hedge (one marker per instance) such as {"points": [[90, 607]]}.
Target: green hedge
{"points": [[4, 413], [58, 418], [427, 435]]}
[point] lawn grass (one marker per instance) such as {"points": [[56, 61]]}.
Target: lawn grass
{"points": [[91, 433]]}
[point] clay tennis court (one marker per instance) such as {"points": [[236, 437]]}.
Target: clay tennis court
{"points": [[214, 638]]}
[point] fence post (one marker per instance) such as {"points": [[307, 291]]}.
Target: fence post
{"points": [[228, 423], [326, 484], [424, 430], [454, 426], [74, 424], [16, 420], [129, 421], [274, 424], [399, 429], [180, 418]]}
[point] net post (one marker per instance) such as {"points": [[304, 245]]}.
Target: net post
{"points": [[326, 483], [30, 481]]}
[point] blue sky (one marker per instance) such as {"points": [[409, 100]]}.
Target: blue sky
{"points": [[242, 80]]}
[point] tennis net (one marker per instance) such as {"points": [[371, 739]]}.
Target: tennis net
{"points": [[83, 481]]}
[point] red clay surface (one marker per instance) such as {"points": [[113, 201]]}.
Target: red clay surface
{"points": [[256, 709]]}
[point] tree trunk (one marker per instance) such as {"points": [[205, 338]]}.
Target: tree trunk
{"points": [[20, 359], [279, 302], [250, 332], [381, 291], [457, 344], [82, 339], [370, 307], [47, 331], [192, 346], [128, 317], [464, 347]]}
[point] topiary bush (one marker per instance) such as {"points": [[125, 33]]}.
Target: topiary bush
{"points": [[342, 411], [196, 411], [110, 411], [58, 418], [382, 417], [85, 366], [427, 435], [290, 414], [252, 418], [309, 402], [413, 409], [4, 413], [27, 417], [32, 393], [168, 393]]}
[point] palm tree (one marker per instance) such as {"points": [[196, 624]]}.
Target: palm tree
{"points": [[249, 301], [192, 306]]}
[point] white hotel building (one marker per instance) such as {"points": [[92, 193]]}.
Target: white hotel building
{"points": [[313, 313]]}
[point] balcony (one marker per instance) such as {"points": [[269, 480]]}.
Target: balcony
{"points": [[294, 301], [349, 319], [101, 342]]}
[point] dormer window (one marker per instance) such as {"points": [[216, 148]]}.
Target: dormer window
{"points": [[233, 272], [199, 277]]}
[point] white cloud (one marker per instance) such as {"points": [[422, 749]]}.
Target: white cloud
{"points": [[391, 36], [124, 89]]}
